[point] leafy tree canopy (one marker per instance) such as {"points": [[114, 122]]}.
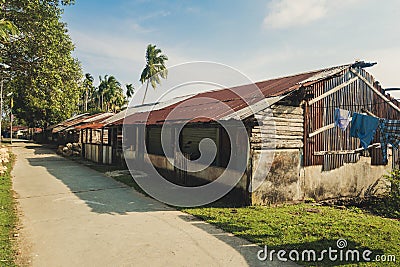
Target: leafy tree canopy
{"points": [[108, 96], [43, 76]]}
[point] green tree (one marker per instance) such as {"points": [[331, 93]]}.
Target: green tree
{"points": [[7, 30], [101, 89], [110, 94], [88, 91], [155, 68], [45, 78], [129, 90]]}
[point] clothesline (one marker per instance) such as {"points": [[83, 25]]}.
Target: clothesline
{"points": [[354, 105], [364, 128], [345, 152]]}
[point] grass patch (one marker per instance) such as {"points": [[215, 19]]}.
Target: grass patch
{"points": [[307, 226], [8, 217]]}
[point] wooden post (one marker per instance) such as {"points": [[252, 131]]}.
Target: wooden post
{"points": [[101, 146], [305, 123]]}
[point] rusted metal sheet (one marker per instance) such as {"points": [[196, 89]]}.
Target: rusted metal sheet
{"points": [[144, 108], [219, 104], [98, 117], [68, 120], [354, 97], [69, 123], [94, 122]]}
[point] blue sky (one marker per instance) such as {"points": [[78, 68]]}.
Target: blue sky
{"points": [[262, 39]]}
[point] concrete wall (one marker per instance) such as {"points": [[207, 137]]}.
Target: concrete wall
{"points": [[287, 181], [282, 183], [350, 180]]}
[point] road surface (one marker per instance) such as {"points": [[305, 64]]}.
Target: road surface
{"points": [[75, 216]]}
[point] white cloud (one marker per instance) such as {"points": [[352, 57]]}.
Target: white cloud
{"points": [[289, 13], [156, 14]]}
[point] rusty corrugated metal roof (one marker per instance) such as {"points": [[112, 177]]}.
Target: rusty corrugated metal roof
{"points": [[70, 122], [70, 119], [98, 117], [218, 104], [93, 125], [144, 108], [94, 122]]}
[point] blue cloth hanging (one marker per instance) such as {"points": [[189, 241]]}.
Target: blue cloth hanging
{"points": [[364, 128]]}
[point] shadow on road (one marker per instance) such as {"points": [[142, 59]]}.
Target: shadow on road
{"points": [[106, 196], [101, 193]]}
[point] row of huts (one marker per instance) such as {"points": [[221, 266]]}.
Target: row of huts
{"points": [[291, 117]]}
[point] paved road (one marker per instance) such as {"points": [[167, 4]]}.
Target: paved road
{"points": [[75, 216]]}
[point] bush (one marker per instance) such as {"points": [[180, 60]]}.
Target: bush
{"points": [[394, 192], [388, 205]]}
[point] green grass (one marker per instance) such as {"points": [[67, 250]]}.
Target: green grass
{"points": [[305, 226], [301, 227], [8, 217]]}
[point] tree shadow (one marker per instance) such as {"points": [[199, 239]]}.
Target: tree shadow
{"points": [[99, 192], [349, 256], [246, 248], [40, 150], [104, 195]]}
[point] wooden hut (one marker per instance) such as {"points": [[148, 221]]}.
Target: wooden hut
{"points": [[292, 121]]}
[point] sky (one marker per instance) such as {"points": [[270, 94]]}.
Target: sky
{"points": [[261, 39]]}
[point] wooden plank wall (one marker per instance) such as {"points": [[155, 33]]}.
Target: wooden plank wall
{"points": [[281, 126]]}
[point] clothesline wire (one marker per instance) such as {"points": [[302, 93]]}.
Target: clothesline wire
{"points": [[355, 105]]}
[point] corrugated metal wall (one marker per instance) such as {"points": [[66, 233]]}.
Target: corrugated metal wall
{"points": [[353, 97]]}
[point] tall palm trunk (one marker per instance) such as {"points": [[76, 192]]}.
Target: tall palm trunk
{"points": [[145, 92], [102, 101], [86, 100]]}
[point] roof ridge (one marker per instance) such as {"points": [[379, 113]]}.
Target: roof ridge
{"points": [[306, 72]]}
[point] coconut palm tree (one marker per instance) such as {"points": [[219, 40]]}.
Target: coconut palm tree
{"points": [[110, 94], [155, 68], [129, 90], [89, 88], [101, 89]]}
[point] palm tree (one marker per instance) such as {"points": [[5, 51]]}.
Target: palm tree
{"points": [[155, 68], [110, 94], [100, 91], [89, 88], [129, 90]]}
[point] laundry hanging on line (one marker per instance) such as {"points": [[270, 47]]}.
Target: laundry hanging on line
{"points": [[389, 134], [364, 127], [342, 118]]}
